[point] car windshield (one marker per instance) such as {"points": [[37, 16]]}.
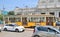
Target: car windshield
{"points": [[11, 25], [46, 29], [42, 28]]}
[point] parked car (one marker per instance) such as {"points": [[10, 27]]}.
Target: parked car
{"points": [[0, 29], [58, 23], [45, 31], [13, 27]]}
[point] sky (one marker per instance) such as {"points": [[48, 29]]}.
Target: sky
{"points": [[11, 4]]}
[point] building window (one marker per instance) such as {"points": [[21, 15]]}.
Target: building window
{"points": [[59, 14], [52, 13], [42, 13], [19, 13], [51, 1], [43, 1], [58, 0]]}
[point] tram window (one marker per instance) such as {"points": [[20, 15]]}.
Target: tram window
{"points": [[18, 19], [6, 19], [12, 19], [29, 19], [36, 19], [42, 19], [56, 19]]}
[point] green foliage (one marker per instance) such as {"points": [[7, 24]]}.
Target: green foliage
{"points": [[11, 13], [1, 17]]}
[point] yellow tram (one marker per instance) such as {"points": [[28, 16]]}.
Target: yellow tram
{"points": [[31, 20]]}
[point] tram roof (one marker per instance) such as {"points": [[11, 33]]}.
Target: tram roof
{"points": [[42, 15]]}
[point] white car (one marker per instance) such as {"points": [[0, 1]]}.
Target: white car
{"points": [[13, 27], [46, 31], [0, 29]]}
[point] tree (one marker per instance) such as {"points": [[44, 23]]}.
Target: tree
{"points": [[1, 17], [11, 13]]}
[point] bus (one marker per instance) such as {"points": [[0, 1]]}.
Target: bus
{"points": [[31, 20]]}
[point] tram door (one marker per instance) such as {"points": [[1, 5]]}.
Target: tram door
{"points": [[24, 21], [49, 21]]}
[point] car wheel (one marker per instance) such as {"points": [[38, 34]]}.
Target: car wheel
{"points": [[23, 30], [5, 29], [16, 30], [36, 36], [0, 30]]}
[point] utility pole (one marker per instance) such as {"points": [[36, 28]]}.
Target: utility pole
{"points": [[3, 11], [3, 6]]}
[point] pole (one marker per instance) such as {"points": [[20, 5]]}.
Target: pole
{"points": [[3, 15]]}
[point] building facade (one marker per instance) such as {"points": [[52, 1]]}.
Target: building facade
{"points": [[43, 7]]}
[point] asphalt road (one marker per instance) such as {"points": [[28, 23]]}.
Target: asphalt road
{"points": [[27, 33]]}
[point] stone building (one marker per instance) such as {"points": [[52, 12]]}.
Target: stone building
{"points": [[43, 7]]}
